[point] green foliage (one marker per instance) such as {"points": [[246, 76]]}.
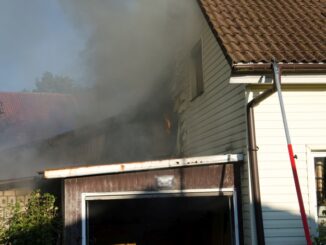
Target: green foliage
{"points": [[321, 239], [54, 84], [36, 224]]}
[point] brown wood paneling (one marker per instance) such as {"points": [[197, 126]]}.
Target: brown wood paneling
{"points": [[199, 177]]}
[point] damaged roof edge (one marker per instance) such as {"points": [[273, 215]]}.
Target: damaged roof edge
{"points": [[140, 166]]}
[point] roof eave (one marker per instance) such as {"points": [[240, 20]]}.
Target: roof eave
{"points": [[290, 68]]}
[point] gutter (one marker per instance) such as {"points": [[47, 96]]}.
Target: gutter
{"points": [[265, 68], [254, 162]]}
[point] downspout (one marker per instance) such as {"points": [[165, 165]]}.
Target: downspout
{"points": [[254, 162]]}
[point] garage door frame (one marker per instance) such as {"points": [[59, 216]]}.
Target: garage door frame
{"points": [[95, 196]]}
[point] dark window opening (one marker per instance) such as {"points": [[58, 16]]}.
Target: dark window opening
{"points": [[197, 80]]}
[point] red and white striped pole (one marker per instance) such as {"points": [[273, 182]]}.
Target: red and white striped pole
{"points": [[277, 77]]}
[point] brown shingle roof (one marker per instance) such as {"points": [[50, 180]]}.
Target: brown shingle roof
{"points": [[291, 31]]}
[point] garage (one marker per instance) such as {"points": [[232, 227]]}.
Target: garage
{"points": [[178, 201]]}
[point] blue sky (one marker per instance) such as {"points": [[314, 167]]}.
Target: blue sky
{"points": [[36, 36]]}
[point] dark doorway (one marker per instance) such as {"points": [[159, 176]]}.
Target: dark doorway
{"points": [[160, 221]]}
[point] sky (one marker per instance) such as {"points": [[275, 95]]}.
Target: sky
{"points": [[36, 36], [121, 46]]}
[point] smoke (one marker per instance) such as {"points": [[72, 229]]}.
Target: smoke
{"points": [[128, 63], [132, 47]]}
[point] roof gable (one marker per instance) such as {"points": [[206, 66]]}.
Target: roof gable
{"points": [[253, 31]]}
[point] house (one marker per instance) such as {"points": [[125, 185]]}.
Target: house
{"points": [[229, 66], [29, 117], [25, 120], [238, 41]]}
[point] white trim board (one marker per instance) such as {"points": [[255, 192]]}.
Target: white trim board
{"points": [[164, 193], [286, 79], [141, 166], [89, 196]]}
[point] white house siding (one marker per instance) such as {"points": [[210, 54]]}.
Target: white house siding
{"points": [[214, 122], [306, 113]]}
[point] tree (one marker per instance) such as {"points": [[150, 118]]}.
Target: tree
{"points": [[54, 84], [37, 223]]}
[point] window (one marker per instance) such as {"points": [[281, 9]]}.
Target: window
{"points": [[197, 81], [320, 179], [320, 183], [319, 159]]}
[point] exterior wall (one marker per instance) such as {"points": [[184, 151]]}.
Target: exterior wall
{"points": [[19, 190], [306, 113], [8, 198], [214, 122], [202, 177]]}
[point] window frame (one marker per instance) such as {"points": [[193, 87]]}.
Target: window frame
{"points": [[312, 153], [197, 73]]}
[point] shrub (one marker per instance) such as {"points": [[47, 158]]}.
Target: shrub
{"points": [[37, 223]]}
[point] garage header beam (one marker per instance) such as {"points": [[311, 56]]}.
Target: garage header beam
{"points": [[141, 166]]}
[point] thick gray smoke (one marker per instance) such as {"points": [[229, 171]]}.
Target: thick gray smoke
{"points": [[129, 61], [132, 46]]}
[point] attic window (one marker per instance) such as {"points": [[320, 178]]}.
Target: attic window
{"points": [[197, 81]]}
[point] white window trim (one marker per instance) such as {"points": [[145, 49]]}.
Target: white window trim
{"points": [[86, 196]]}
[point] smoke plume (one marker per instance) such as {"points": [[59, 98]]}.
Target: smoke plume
{"points": [[132, 47], [128, 62]]}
